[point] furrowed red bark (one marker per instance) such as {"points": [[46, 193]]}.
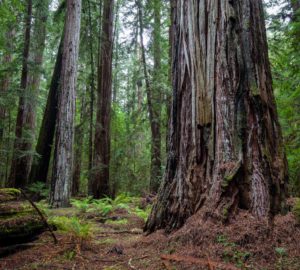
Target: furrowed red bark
{"points": [[61, 181], [100, 172], [225, 149]]}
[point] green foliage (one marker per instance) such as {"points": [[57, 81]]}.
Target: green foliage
{"points": [[284, 51], [296, 209], [282, 253], [39, 189], [76, 227], [105, 205], [231, 252], [82, 205], [142, 213]]}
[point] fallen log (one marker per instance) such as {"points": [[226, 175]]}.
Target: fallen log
{"points": [[19, 221]]}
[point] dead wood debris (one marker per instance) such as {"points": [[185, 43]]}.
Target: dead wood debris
{"points": [[192, 260]]}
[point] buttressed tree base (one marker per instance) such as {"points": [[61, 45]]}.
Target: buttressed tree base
{"points": [[225, 149]]}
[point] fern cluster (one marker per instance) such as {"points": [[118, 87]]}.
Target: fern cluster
{"points": [[108, 205]]}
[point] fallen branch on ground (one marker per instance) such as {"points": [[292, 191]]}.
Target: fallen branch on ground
{"points": [[41, 215], [192, 260], [167, 265]]}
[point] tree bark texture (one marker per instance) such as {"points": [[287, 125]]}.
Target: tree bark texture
{"points": [[40, 166], [100, 172], [225, 148], [20, 165], [61, 182]]}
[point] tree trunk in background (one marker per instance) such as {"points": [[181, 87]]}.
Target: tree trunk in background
{"points": [[153, 96], [61, 181], [79, 138], [26, 114], [92, 98], [100, 174], [116, 82], [4, 87], [226, 149], [40, 166], [155, 172], [295, 6], [20, 165]]}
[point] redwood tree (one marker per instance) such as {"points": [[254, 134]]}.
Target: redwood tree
{"points": [[20, 165], [225, 149], [30, 82], [99, 185], [64, 136], [40, 165]]}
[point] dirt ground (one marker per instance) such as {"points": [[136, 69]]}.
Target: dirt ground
{"points": [[244, 244]]}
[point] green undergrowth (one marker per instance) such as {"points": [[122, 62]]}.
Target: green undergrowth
{"points": [[78, 228], [106, 206], [38, 190], [232, 253], [296, 209]]}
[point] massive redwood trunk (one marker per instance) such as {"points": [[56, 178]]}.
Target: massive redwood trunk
{"points": [[225, 148], [61, 182], [99, 185]]}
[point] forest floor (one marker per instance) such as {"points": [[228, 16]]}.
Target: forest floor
{"points": [[117, 242]]}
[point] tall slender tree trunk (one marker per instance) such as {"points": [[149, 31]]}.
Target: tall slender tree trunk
{"points": [[21, 160], [153, 95], [79, 139], [61, 182], [225, 148], [156, 170], [92, 98], [27, 108], [100, 177], [40, 166], [116, 52], [4, 87]]}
